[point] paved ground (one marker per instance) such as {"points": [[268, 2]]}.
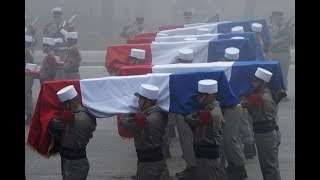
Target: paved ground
{"points": [[112, 158]]}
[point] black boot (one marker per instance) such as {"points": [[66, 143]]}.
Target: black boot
{"points": [[187, 174], [249, 150]]}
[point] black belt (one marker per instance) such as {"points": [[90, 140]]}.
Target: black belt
{"points": [[73, 154], [150, 155], [263, 127], [208, 151]]}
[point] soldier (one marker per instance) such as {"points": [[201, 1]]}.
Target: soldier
{"points": [[206, 126], [281, 40], [231, 149], [72, 130], [72, 59], [245, 124], [129, 31], [148, 127], [28, 79], [136, 57], [58, 29], [31, 31], [257, 28], [49, 65], [184, 131], [187, 17], [263, 110]]}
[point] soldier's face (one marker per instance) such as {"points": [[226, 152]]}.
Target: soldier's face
{"points": [[57, 18], [256, 83], [201, 97]]}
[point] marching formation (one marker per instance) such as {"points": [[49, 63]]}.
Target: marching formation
{"points": [[219, 83]]}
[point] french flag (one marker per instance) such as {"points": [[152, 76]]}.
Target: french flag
{"points": [[238, 73], [165, 52], [105, 97], [109, 96], [223, 27]]}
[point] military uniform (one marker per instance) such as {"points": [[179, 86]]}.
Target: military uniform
{"points": [[246, 134], [207, 139], [74, 135], [232, 148], [52, 30], [281, 40], [130, 31], [29, 79], [70, 67], [264, 117], [148, 141], [48, 69], [186, 141]]}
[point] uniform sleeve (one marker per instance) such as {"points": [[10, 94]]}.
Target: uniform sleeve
{"points": [[270, 109], [73, 63], [127, 121], [56, 127], [218, 120], [192, 120]]}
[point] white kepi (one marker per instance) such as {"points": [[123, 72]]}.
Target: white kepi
{"points": [[237, 29], [186, 54], [208, 86], [231, 53], [148, 91], [263, 74], [256, 27], [67, 93], [138, 53]]}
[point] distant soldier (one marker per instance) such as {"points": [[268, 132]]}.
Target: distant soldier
{"points": [[49, 65], [187, 17], [257, 28], [282, 38], [69, 65], [31, 31], [137, 27], [136, 57], [58, 28], [29, 79]]}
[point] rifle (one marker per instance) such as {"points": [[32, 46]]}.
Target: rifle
{"points": [[62, 28], [30, 28]]}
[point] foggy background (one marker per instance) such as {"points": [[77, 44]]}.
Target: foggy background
{"points": [[99, 22]]}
